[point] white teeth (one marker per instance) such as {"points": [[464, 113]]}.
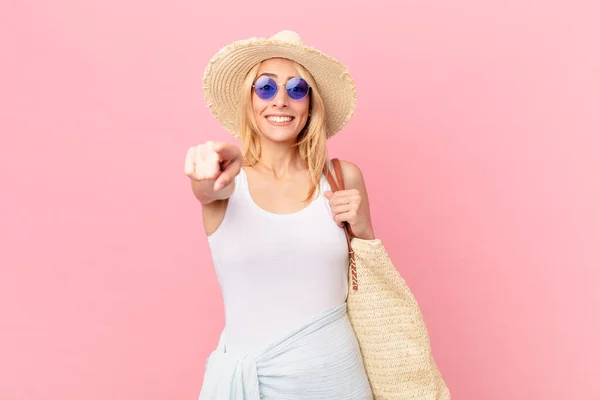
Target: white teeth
{"points": [[279, 119]]}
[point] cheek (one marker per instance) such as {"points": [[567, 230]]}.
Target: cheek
{"points": [[258, 105], [255, 106], [302, 108]]}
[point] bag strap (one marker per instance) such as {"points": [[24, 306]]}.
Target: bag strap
{"points": [[349, 234]]}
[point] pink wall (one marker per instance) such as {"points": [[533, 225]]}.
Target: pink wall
{"points": [[477, 131]]}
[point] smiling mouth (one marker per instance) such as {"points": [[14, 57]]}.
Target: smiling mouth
{"points": [[279, 120]]}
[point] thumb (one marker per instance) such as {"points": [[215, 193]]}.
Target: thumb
{"points": [[228, 175], [328, 194]]}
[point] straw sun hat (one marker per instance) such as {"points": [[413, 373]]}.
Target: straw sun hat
{"points": [[227, 70]]}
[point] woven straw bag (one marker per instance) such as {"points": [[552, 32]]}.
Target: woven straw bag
{"points": [[388, 323]]}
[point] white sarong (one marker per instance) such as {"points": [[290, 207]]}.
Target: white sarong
{"points": [[320, 360]]}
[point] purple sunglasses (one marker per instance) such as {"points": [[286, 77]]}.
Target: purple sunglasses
{"points": [[266, 88]]}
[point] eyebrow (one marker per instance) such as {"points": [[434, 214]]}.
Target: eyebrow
{"points": [[271, 75]]}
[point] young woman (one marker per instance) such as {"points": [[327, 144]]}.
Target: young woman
{"points": [[275, 228]]}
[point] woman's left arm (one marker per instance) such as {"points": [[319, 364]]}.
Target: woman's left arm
{"points": [[352, 204]]}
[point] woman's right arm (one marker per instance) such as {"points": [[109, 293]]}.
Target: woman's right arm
{"points": [[212, 168], [206, 194]]}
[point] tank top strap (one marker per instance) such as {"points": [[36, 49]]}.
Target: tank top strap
{"points": [[242, 179], [241, 185], [324, 182], [323, 185]]}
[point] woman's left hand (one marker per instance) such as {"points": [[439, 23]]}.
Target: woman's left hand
{"points": [[345, 207]]}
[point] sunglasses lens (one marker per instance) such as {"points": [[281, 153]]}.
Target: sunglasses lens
{"points": [[297, 88], [265, 88]]}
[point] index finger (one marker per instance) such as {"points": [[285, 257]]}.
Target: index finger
{"points": [[226, 151]]}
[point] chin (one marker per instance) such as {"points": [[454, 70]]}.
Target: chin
{"points": [[279, 136]]}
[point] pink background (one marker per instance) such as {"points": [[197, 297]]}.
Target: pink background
{"points": [[477, 131]]}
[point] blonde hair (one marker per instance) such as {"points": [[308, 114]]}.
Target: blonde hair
{"points": [[311, 142]]}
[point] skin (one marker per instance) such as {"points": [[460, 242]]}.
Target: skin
{"points": [[279, 182]]}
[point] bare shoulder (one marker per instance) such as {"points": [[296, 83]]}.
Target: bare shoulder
{"points": [[353, 177], [353, 180]]}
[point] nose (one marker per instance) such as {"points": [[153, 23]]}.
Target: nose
{"points": [[281, 98]]}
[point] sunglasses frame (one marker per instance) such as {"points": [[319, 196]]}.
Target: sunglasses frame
{"points": [[283, 84]]}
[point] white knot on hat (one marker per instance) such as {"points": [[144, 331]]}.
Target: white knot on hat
{"points": [[226, 71]]}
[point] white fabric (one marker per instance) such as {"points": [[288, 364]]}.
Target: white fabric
{"points": [[276, 271], [284, 280], [319, 361]]}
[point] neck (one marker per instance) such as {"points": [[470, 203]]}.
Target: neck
{"points": [[280, 158]]}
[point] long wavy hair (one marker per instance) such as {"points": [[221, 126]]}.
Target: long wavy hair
{"points": [[311, 141]]}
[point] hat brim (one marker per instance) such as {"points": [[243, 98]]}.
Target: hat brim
{"points": [[226, 71]]}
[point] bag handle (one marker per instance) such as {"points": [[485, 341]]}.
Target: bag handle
{"points": [[349, 234]]}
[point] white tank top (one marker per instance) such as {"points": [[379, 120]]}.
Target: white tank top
{"points": [[276, 271]]}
